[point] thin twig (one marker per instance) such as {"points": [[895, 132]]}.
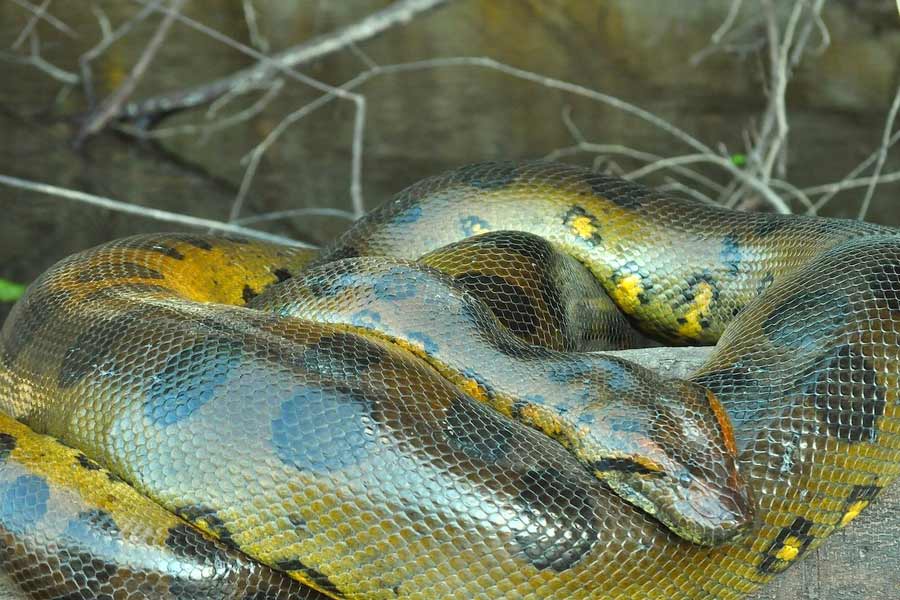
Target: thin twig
{"points": [[47, 18], [398, 13], [297, 212], [330, 93], [29, 26], [37, 61], [205, 129], [109, 108], [726, 25], [109, 37], [882, 155], [256, 38], [142, 211]]}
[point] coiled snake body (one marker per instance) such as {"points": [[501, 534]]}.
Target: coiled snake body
{"points": [[365, 420]]}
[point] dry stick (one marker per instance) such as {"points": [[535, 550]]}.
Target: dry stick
{"points": [[882, 154], [47, 17], [849, 184], [38, 62], [142, 211], [829, 190], [332, 92], [110, 107], [397, 13], [108, 39], [29, 26]]}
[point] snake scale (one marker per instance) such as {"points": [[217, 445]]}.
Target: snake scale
{"points": [[419, 410]]}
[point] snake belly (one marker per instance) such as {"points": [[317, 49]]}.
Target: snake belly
{"points": [[349, 463]]}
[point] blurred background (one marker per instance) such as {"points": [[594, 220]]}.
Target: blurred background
{"points": [[790, 96], [129, 106]]}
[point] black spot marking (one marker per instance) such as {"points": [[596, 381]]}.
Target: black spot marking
{"points": [[694, 285], [197, 242], [764, 283], [92, 347], [620, 465], [282, 274], [119, 270], [847, 396], [797, 537], [342, 356], [618, 191], [471, 431], [317, 578], [248, 293], [197, 514], [865, 493], [7, 445], [151, 246], [87, 463], [510, 303], [488, 176], [556, 526], [885, 285], [730, 254]]}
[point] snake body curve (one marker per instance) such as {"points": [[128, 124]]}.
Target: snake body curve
{"points": [[338, 451]]}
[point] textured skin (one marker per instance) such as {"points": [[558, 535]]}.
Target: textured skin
{"points": [[349, 461]]}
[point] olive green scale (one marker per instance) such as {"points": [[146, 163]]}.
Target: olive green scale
{"points": [[363, 455]]}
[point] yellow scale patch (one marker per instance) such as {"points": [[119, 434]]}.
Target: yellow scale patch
{"points": [[627, 293], [584, 227], [699, 308], [791, 549]]}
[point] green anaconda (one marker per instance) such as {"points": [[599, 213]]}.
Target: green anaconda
{"points": [[420, 410]]}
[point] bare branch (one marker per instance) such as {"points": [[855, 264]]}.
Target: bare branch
{"points": [[110, 107], [331, 92], [256, 38], [829, 190], [26, 31], [882, 154], [43, 15], [37, 61], [297, 212], [398, 13], [109, 37], [143, 211]]}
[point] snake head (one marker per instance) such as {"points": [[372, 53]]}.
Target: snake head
{"points": [[673, 455]]}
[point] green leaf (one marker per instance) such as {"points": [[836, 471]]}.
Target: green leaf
{"points": [[10, 291], [739, 160]]}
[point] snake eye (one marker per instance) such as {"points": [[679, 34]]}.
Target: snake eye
{"points": [[685, 480]]}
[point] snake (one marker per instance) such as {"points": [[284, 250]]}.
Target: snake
{"points": [[423, 408]]}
